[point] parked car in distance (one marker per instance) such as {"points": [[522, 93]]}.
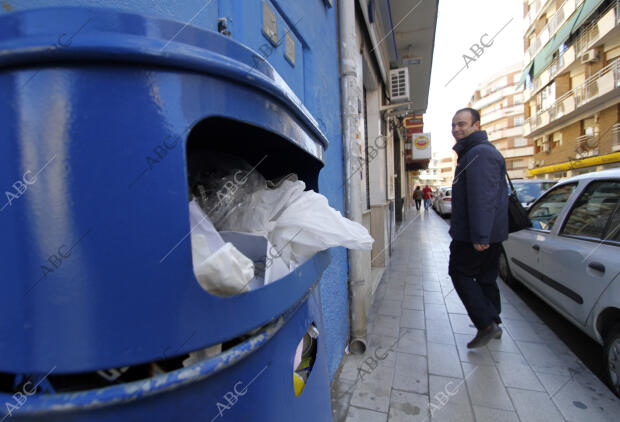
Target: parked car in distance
{"points": [[528, 190], [570, 257], [442, 201]]}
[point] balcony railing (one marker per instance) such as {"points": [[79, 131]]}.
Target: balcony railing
{"points": [[564, 11], [533, 12], [593, 32], [602, 82]]}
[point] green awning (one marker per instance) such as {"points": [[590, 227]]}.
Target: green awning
{"points": [[544, 58], [525, 73], [586, 10]]}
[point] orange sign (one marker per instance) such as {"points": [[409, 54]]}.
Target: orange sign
{"points": [[421, 141]]}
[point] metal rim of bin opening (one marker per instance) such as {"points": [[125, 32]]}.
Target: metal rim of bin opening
{"points": [[147, 387], [36, 40]]}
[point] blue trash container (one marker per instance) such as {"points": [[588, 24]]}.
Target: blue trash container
{"points": [[98, 272]]}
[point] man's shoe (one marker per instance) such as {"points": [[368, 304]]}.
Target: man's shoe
{"points": [[499, 333], [484, 336]]}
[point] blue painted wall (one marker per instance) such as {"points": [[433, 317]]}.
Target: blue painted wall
{"points": [[314, 78]]}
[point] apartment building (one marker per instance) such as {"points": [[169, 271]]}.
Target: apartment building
{"points": [[447, 165], [500, 102], [572, 85]]}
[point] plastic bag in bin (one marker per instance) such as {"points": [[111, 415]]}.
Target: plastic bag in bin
{"points": [[219, 267], [298, 223]]}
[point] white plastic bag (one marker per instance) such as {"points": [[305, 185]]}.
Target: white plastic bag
{"points": [[298, 223], [219, 267]]}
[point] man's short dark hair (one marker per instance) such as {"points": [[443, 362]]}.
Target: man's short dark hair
{"points": [[475, 114]]}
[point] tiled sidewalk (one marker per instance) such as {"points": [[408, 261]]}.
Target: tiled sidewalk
{"points": [[417, 366]]}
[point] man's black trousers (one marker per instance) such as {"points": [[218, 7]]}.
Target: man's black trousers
{"points": [[474, 275]]}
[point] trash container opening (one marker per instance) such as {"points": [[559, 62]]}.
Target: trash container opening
{"points": [[138, 377], [304, 358]]}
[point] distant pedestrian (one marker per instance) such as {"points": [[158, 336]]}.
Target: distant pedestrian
{"points": [[428, 193], [478, 225], [417, 197]]}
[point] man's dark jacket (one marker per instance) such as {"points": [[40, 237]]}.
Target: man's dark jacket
{"points": [[479, 192]]}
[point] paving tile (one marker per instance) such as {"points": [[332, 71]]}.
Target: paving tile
{"points": [[412, 341], [507, 357], [385, 326], [510, 312], [451, 412], [410, 373], [439, 331], [363, 415], [435, 311], [542, 359], [443, 359], [371, 396], [431, 286], [461, 324], [349, 370], [519, 376], [485, 387], [413, 302], [408, 407], [479, 356], [433, 297], [485, 414], [382, 349], [521, 331], [454, 304], [583, 402], [389, 307], [534, 406], [452, 388], [340, 407], [412, 318], [413, 289], [504, 344], [394, 294], [551, 382]]}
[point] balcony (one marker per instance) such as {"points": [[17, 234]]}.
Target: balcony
{"points": [[533, 12], [598, 85], [589, 38], [557, 20], [505, 133], [597, 29]]}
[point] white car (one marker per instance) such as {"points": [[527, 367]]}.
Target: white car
{"points": [[570, 257], [442, 201]]}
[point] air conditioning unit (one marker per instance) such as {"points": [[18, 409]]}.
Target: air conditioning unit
{"points": [[592, 55], [399, 85]]}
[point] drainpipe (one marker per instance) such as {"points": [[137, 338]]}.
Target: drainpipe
{"points": [[352, 150]]}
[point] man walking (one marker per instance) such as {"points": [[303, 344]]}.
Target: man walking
{"points": [[417, 197], [427, 192], [478, 225]]}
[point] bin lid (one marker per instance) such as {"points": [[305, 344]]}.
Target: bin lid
{"points": [[40, 36]]}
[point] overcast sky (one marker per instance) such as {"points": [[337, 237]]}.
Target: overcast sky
{"points": [[460, 24]]}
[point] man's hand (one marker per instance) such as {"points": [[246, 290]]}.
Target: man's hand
{"points": [[481, 246]]}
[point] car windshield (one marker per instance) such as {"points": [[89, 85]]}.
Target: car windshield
{"points": [[529, 191]]}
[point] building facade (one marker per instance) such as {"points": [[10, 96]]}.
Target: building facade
{"points": [[572, 85], [500, 103]]}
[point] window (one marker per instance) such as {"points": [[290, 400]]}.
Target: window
{"points": [[590, 215], [613, 230], [518, 121], [546, 211]]}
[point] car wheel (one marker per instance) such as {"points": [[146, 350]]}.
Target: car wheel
{"points": [[612, 358], [504, 269]]}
